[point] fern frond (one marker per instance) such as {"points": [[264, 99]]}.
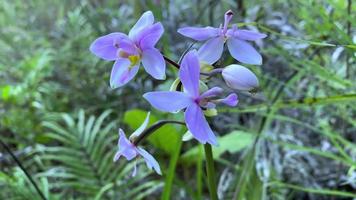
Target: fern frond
{"points": [[83, 155]]}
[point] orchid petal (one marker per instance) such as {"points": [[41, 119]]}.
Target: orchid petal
{"points": [[249, 35], [239, 77], [126, 148], [212, 92], [151, 162], [168, 101], [189, 73], [230, 100], [244, 52], [105, 47], [198, 126], [134, 171], [153, 62], [142, 127], [121, 73], [199, 33], [117, 156], [149, 36], [128, 46], [211, 50], [145, 20]]}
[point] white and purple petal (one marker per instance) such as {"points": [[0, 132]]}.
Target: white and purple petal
{"points": [[141, 128], [228, 16], [105, 47], [244, 52], [211, 50], [168, 101], [151, 162], [199, 33], [145, 20], [212, 92], [230, 100], [189, 73], [122, 72], [126, 148], [149, 36], [248, 35], [153, 62], [198, 126], [128, 46]]}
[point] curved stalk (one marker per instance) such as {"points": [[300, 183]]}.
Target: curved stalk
{"points": [[17, 161], [171, 62], [153, 128], [176, 65]]}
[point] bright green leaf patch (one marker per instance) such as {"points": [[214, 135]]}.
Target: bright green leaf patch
{"points": [[232, 143], [5, 92], [164, 138]]}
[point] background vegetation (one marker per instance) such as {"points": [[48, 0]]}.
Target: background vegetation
{"points": [[294, 139]]}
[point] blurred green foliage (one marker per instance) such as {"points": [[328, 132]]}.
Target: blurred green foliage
{"points": [[295, 139]]}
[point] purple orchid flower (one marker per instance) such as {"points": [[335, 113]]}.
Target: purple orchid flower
{"points": [[212, 49], [130, 151], [191, 99], [128, 51]]}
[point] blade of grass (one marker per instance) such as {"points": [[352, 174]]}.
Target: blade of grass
{"points": [[309, 101], [314, 191], [166, 195], [199, 173]]}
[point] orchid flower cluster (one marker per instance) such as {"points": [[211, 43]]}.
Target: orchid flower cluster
{"points": [[189, 93]]}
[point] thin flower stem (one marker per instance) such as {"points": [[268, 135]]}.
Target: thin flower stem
{"points": [[153, 128], [210, 172], [17, 161], [171, 62], [212, 72], [176, 65]]}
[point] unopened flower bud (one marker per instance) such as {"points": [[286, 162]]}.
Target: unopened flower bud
{"points": [[240, 78]]}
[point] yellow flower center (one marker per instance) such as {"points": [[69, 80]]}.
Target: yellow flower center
{"points": [[134, 59]]}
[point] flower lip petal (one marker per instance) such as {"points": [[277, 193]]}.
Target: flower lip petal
{"points": [[168, 101], [211, 50], [199, 33], [140, 129], [243, 52], [145, 20], [151, 162], [128, 47], [126, 148], [122, 73], [189, 73], [198, 126], [105, 47]]}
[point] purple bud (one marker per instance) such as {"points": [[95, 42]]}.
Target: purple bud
{"points": [[240, 78]]}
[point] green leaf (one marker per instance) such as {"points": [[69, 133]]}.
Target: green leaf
{"points": [[5, 92], [165, 138], [232, 143]]}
